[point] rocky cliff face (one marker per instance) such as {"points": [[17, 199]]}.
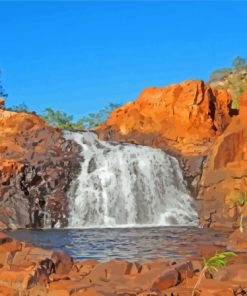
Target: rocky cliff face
{"points": [[183, 119], [194, 122], [36, 167], [225, 173], [190, 120]]}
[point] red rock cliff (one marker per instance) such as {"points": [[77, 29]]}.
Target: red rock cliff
{"points": [[192, 119], [35, 164], [183, 117], [225, 173]]}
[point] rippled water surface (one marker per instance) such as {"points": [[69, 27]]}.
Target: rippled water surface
{"points": [[124, 243]]}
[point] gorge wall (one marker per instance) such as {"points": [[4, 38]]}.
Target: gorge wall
{"points": [[225, 173], [35, 167], [183, 119], [194, 122], [191, 121]]}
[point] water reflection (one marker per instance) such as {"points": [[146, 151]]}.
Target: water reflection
{"points": [[124, 243]]}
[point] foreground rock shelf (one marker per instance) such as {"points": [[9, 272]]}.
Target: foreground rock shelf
{"points": [[29, 270]]}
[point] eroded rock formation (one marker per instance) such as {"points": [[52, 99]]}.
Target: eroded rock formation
{"points": [[225, 173], [183, 117], [194, 122], [35, 166]]}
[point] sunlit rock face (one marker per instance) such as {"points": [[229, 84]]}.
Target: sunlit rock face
{"points": [[35, 164], [225, 173], [184, 118], [194, 122], [127, 185]]}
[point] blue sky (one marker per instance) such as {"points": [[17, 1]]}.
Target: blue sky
{"points": [[79, 56]]}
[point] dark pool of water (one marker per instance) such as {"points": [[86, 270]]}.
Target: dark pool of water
{"points": [[124, 243]]}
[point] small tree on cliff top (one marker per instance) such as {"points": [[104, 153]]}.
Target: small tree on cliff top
{"points": [[63, 120], [233, 79], [239, 63], [19, 107], [57, 118]]}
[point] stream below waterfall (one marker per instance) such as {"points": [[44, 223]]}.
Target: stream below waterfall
{"points": [[120, 190], [125, 243]]}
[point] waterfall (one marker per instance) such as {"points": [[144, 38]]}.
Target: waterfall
{"points": [[127, 185]]}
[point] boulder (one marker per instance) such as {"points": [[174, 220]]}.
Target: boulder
{"points": [[185, 270], [169, 278], [63, 262]]}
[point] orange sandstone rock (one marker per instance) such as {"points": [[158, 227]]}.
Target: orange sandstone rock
{"points": [[169, 278], [224, 176], [185, 117]]}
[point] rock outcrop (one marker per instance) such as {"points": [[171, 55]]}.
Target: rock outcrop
{"points": [[35, 171], [183, 119], [225, 173], [195, 123]]}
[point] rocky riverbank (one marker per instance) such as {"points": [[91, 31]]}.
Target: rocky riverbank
{"points": [[32, 271]]}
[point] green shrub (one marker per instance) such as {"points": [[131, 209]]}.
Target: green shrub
{"points": [[19, 107], [233, 79], [212, 265], [63, 120]]}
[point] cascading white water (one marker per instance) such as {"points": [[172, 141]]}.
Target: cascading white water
{"points": [[127, 185]]}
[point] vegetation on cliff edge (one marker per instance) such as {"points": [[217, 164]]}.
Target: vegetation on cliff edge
{"points": [[233, 79], [63, 120]]}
